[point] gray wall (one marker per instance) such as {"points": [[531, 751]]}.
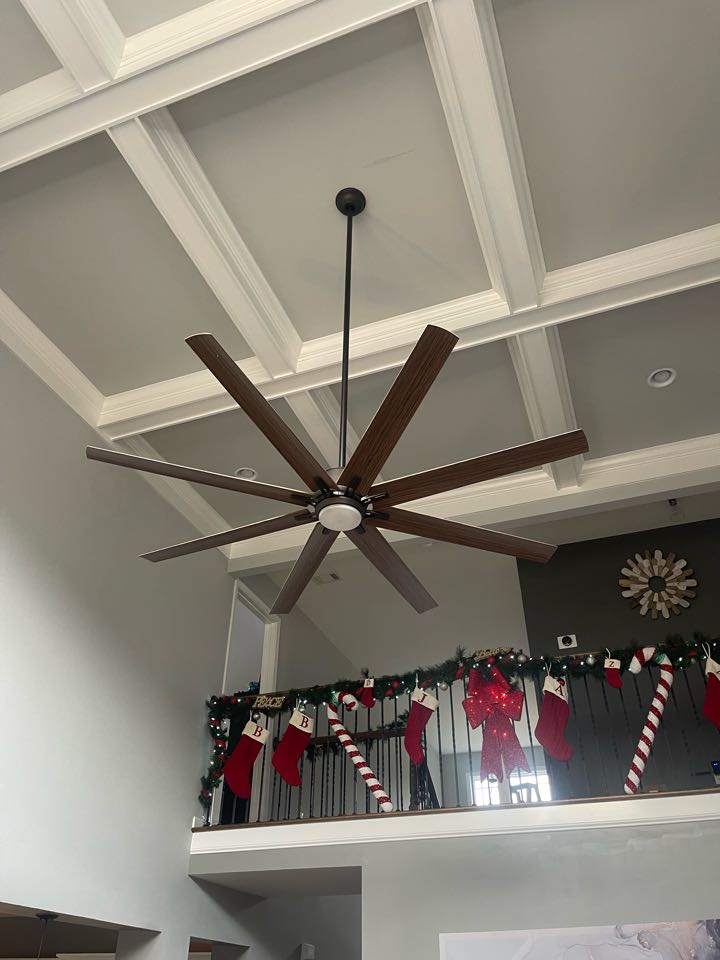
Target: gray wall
{"points": [[577, 591], [106, 662]]}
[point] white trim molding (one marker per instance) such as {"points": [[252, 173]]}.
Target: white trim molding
{"points": [[640, 810], [37, 97], [163, 162], [319, 413], [84, 36], [540, 369], [470, 75]]}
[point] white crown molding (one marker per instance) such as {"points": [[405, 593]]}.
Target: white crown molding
{"points": [[83, 35], [170, 173], [319, 413], [624, 478], [539, 364], [40, 354], [197, 28], [469, 71], [249, 50], [647, 810], [37, 97]]}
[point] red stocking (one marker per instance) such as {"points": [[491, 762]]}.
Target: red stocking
{"points": [[291, 748], [711, 704], [365, 694], [422, 707], [239, 765], [554, 712], [612, 673]]}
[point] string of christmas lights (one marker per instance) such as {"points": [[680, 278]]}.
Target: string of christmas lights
{"points": [[510, 662]]}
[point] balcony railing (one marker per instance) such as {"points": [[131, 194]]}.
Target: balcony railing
{"points": [[603, 728]]}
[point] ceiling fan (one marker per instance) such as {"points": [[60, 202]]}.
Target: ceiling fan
{"points": [[349, 498]]}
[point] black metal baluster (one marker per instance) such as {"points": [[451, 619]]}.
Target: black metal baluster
{"points": [[268, 722], [454, 747], [581, 747], [355, 773], [399, 760], [530, 733], [470, 762], [597, 739], [440, 753], [326, 747], [616, 751]]}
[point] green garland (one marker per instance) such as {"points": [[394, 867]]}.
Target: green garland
{"points": [[510, 662]]}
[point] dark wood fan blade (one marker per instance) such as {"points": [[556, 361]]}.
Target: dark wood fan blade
{"points": [[420, 525], [229, 536], [312, 555], [487, 467], [397, 409], [249, 398], [222, 480], [382, 556]]}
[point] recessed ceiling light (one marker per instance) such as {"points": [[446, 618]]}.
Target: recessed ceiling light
{"points": [[246, 473], [662, 377]]}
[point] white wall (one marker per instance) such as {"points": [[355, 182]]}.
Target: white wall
{"points": [[245, 649], [106, 662]]}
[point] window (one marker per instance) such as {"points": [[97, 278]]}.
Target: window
{"points": [[522, 788]]}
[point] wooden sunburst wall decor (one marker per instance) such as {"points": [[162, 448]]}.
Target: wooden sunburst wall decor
{"points": [[657, 583]]}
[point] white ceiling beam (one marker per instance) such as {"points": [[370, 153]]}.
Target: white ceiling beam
{"points": [[319, 413], [39, 353], [37, 97], [53, 367], [469, 71], [161, 159], [671, 469], [84, 36], [608, 283], [207, 23], [539, 364], [270, 41]]}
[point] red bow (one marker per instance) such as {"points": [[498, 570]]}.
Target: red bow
{"points": [[495, 704]]}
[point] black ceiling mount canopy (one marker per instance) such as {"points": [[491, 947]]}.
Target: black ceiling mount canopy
{"points": [[350, 202], [349, 498]]}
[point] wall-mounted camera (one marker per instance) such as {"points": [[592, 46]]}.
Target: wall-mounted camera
{"points": [[566, 641]]}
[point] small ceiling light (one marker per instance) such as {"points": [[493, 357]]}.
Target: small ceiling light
{"points": [[246, 473], [662, 377]]}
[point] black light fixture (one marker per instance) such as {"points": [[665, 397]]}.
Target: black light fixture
{"points": [[46, 918]]}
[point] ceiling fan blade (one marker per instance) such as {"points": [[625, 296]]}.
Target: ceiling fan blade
{"points": [[434, 528], [235, 535], [248, 397], [487, 467], [379, 552], [397, 409], [312, 555], [221, 480]]}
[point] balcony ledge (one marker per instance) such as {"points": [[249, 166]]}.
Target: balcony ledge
{"points": [[592, 814]]}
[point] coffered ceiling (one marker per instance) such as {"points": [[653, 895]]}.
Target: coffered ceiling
{"points": [[541, 180]]}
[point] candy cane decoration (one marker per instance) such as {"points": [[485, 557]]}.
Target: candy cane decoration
{"points": [[637, 767], [373, 784]]}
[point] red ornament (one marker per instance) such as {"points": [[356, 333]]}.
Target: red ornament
{"points": [[490, 661], [233, 700], [460, 672], [425, 684], [204, 792], [388, 693], [219, 742], [692, 653], [395, 684]]}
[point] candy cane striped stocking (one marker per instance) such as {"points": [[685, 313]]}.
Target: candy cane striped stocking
{"points": [[373, 784], [642, 752]]}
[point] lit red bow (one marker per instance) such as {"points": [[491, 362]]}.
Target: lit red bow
{"points": [[496, 704]]}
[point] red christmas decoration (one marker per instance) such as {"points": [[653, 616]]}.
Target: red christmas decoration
{"points": [[395, 684], [495, 704]]}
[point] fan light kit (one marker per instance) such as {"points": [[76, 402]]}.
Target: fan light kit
{"points": [[350, 499]]}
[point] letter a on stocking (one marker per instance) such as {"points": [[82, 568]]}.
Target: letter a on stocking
{"points": [[239, 765]]}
